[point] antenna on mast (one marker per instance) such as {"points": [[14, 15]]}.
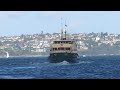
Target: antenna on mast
{"points": [[61, 29], [61, 22]]}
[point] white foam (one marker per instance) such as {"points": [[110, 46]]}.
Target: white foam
{"points": [[23, 67], [84, 62], [64, 62], [84, 55]]}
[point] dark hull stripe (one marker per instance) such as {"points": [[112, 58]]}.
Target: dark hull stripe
{"points": [[60, 57]]}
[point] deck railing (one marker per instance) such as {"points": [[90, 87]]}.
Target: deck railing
{"points": [[63, 51]]}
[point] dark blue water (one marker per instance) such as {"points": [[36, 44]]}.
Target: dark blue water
{"points": [[90, 67]]}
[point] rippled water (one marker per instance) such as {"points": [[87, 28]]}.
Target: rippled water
{"points": [[89, 67]]}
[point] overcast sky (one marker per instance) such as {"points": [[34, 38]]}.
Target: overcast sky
{"points": [[32, 22]]}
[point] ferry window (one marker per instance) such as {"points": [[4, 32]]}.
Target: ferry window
{"points": [[55, 48], [71, 42], [67, 48], [62, 48], [62, 42], [58, 48]]}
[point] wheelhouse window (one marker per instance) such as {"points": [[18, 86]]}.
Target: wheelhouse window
{"points": [[66, 41], [55, 42]]}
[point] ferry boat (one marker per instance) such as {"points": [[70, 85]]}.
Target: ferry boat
{"points": [[63, 50]]}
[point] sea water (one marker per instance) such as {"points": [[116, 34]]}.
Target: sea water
{"points": [[89, 67]]}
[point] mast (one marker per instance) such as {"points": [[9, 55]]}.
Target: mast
{"points": [[61, 30], [65, 29], [63, 35]]}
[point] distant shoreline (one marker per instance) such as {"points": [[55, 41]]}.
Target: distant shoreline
{"points": [[48, 55], [101, 55], [26, 56]]}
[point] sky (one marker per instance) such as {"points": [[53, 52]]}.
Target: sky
{"points": [[33, 22]]}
